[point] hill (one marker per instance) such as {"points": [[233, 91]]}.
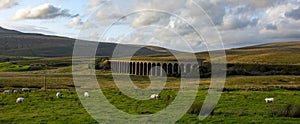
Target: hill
{"points": [[280, 53], [287, 53], [15, 43]]}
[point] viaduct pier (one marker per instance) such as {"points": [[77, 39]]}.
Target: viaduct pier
{"points": [[153, 68]]}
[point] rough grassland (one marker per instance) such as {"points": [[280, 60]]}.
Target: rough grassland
{"points": [[241, 102], [282, 53], [233, 107]]}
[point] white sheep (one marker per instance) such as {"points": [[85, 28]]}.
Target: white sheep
{"points": [[86, 94], [19, 100], [154, 96], [269, 100], [7, 91], [58, 95], [15, 91], [25, 89]]}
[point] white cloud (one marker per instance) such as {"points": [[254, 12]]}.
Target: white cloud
{"points": [[159, 4], [27, 28], [240, 22], [109, 12], [105, 13], [295, 13], [271, 27], [94, 4], [7, 3], [240, 16], [103, 9], [148, 18], [153, 36], [283, 19], [44, 11], [76, 21], [214, 8], [242, 37]]}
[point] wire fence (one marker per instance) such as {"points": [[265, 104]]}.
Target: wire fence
{"points": [[36, 81]]}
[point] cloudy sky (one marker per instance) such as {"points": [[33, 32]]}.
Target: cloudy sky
{"points": [[190, 25]]}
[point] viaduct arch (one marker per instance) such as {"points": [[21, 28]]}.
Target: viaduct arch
{"points": [[153, 68]]}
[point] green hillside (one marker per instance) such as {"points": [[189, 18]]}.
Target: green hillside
{"points": [[14, 43]]}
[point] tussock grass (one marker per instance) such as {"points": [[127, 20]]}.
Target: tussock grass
{"points": [[242, 100]]}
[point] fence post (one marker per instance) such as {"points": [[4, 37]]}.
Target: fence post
{"points": [[45, 81]]}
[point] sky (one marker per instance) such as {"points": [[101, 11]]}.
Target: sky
{"points": [[188, 25]]}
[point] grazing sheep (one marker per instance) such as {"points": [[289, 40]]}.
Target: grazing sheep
{"points": [[86, 94], [154, 96], [58, 95], [7, 91], [15, 91], [269, 100], [19, 100], [25, 90]]}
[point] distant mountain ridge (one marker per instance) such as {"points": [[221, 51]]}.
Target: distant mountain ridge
{"points": [[7, 31], [15, 43]]}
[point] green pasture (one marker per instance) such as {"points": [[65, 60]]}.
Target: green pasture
{"points": [[233, 107], [242, 100]]}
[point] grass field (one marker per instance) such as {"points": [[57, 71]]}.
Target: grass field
{"points": [[43, 107], [233, 107], [241, 102], [7, 66]]}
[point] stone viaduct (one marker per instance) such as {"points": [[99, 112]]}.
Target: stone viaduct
{"points": [[153, 68]]}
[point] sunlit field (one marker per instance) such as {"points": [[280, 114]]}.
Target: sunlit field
{"points": [[242, 100]]}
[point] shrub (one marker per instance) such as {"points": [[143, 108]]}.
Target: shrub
{"points": [[195, 108], [101, 63], [286, 111], [51, 98], [70, 85], [119, 93], [145, 112], [242, 113], [295, 112], [3, 103], [32, 86], [35, 67], [168, 97]]}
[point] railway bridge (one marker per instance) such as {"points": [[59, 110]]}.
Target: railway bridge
{"points": [[154, 68]]}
